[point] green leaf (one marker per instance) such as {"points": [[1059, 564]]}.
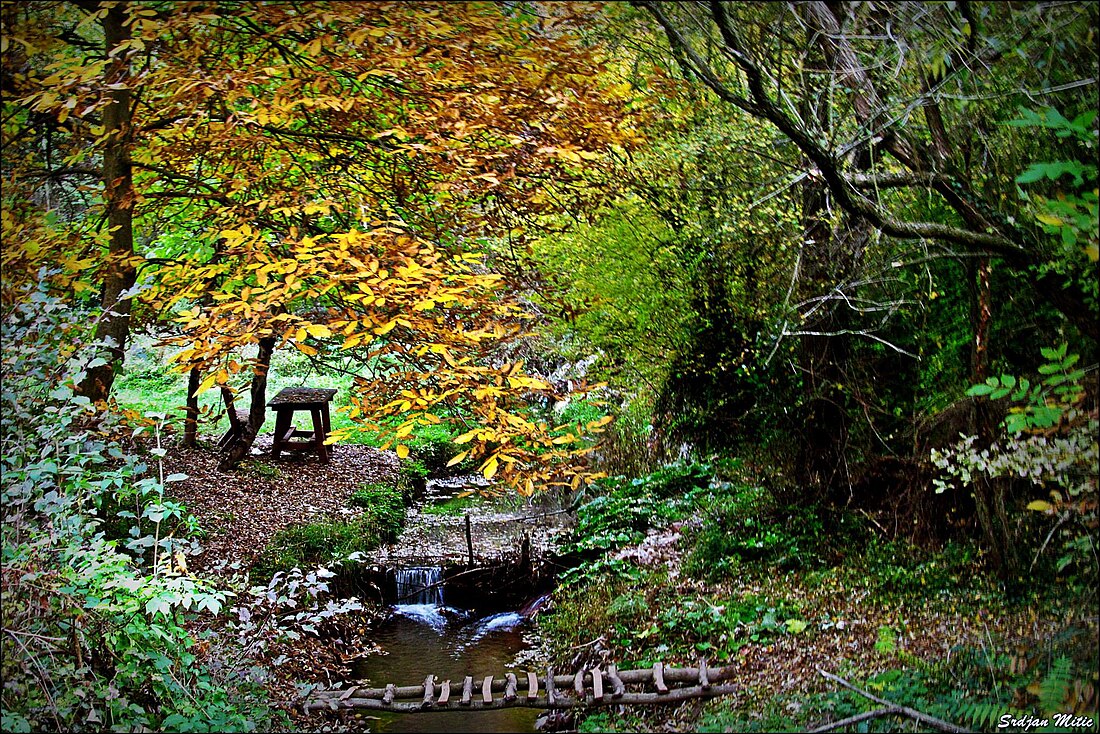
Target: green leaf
{"points": [[977, 390], [1050, 353]]}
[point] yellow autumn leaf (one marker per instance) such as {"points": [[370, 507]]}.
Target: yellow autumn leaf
{"points": [[490, 469], [457, 458], [1050, 219], [465, 437], [319, 331], [1040, 506], [207, 383], [402, 451], [598, 424]]}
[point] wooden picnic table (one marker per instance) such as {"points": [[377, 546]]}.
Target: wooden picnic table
{"points": [[291, 400]]}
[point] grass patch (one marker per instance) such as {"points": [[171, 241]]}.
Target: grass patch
{"points": [[260, 469], [383, 503], [332, 540], [454, 506]]}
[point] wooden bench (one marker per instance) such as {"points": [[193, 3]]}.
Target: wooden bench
{"points": [[287, 437], [234, 431]]}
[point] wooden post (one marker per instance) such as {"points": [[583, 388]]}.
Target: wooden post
{"points": [[510, 687], [617, 685], [429, 691], [469, 540], [487, 689], [467, 691], [444, 694], [597, 685], [659, 678], [532, 686]]}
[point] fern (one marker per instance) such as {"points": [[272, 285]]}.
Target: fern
{"points": [[1054, 687], [981, 712]]}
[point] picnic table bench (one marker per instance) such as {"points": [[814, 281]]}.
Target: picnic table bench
{"points": [[291, 400]]}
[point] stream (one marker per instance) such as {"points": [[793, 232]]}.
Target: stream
{"points": [[449, 631], [427, 636]]}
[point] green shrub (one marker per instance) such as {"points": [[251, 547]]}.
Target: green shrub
{"points": [[332, 540], [748, 531], [99, 635], [623, 510], [432, 447], [385, 504]]}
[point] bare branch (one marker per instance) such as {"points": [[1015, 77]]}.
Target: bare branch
{"points": [[891, 708]]}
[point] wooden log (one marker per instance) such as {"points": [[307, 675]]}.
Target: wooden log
{"points": [[626, 677], [444, 693], [532, 686], [467, 691], [390, 694], [704, 679], [429, 691], [617, 686], [510, 687], [487, 689], [659, 678], [578, 683], [676, 695], [597, 685]]}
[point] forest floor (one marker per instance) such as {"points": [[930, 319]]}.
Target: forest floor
{"points": [[241, 510], [841, 621]]}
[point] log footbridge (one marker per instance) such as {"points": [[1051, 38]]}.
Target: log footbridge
{"points": [[593, 687]]}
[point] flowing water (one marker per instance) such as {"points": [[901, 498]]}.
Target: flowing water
{"points": [[426, 636]]}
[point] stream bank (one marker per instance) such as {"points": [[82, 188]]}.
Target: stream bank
{"points": [[459, 605]]}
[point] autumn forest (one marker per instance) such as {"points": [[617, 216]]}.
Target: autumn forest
{"points": [[629, 336]]}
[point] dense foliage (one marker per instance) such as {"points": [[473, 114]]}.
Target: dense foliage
{"points": [[821, 277], [98, 620]]}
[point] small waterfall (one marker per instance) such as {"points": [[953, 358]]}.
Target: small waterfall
{"points": [[422, 585]]}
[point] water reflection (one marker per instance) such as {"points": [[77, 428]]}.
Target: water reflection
{"points": [[425, 638]]}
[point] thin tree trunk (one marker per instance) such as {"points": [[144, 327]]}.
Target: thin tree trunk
{"points": [[236, 450], [118, 193], [989, 494], [191, 419], [824, 421]]}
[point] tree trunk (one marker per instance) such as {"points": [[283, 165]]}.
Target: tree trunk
{"points": [[236, 450], [191, 419], [989, 494], [120, 274]]}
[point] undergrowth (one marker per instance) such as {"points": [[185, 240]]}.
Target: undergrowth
{"points": [[334, 539], [736, 542]]}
